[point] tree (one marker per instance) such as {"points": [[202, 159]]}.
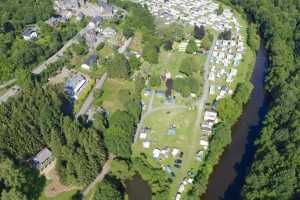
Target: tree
{"points": [[155, 80], [134, 63], [118, 66], [189, 66], [220, 9], [118, 141], [253, 38], [128, 31], [150, 53], [225, 35], [228, 110], [168, 45], [207, 41], [108, 189], [199, 32], [191, 47], [121, 169], [19, 182]]}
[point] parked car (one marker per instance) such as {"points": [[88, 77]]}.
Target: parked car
{"points": [[178, 161]]}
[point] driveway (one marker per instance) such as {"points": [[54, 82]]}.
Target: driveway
{"points": [[89, 100]]}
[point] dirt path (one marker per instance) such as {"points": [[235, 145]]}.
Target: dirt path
{"points": [[105, 170], [55, 187]]}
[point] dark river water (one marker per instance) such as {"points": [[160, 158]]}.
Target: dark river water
{"points": [[138, 189], [228, 176]]}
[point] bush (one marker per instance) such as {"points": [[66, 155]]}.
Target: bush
{"points": [[191, 47]]}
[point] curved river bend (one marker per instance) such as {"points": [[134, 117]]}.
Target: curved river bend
{"points": [[228, 176]]}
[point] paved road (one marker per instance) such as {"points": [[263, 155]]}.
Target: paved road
{"points": [[105, 170], [123, 48], [89, 100], [203, 99], [150, 105], [58, 54]]}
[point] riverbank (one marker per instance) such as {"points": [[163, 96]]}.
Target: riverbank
{"points": [[238, 155]]}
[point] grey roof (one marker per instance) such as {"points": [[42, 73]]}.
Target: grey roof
{"points": [[97, 19], [91, 60], [72, 82], [28, 31], [43, 155]]}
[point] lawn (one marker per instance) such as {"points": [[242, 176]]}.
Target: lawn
{"points": [[136, 44], [159, 123], [111, 89], [171, 61]]}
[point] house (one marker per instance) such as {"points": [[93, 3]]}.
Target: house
{"points": [[74, 85], [178, 196], [80, 16], [147, 92], [175, 152], [160, 93], [106, 10], [42, 159], [29, 34], [200, 155], [144, 132], [204, 144], [90, 37], [95, 22], [109, 32], [156, 153], [146, 144], [181, 188], [53, 21], [210, 116], [88, 64]]}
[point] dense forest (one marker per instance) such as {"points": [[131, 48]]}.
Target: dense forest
{"points": [[275, 172], [35, 119]]}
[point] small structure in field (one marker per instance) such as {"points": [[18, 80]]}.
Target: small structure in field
{"points": [[43, 159]]}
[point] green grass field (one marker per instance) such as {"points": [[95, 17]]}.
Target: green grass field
{"points": [[111, 89], [171, 61], [159, 123]]}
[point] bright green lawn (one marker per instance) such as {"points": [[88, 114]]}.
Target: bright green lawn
{"points": [[136, 43], [111, 89], [171, 61]]}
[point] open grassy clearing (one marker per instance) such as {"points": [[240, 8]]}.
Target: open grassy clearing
{"points": [[111, 88], [136, 43], [159, 123], [171, 61]]}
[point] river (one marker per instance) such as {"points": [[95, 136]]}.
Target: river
{"points": [[226, 181], [138, 189]]}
